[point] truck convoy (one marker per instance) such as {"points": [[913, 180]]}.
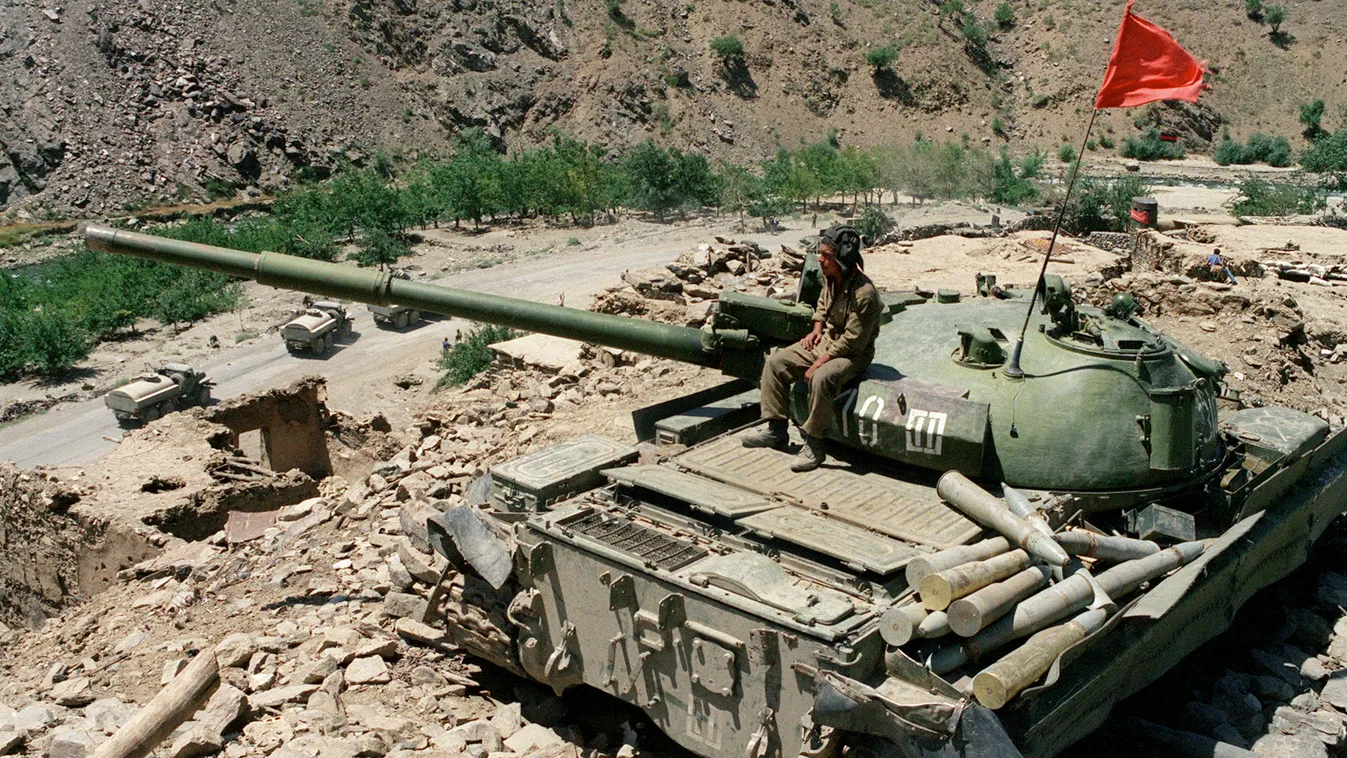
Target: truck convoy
{"points": [[171, 387], [317, 328]]}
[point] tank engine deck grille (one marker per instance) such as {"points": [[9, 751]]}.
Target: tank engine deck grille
{"points": [[650, 546]]}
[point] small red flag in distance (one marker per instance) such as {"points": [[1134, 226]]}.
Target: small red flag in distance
{"points": [[1148, 65]]}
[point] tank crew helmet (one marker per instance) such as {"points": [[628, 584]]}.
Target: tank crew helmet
{"points": [[847, 242]]}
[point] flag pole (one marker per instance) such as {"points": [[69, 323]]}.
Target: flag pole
{"points": [[1012, 368]]}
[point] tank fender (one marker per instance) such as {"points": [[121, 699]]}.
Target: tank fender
{"points": [[460, 535], [917, 727]]}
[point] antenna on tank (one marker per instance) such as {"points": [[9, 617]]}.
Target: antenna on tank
{"points": [[1012, 368]]}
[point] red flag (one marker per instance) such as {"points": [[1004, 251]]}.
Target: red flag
{"points": [[1148, 65]]}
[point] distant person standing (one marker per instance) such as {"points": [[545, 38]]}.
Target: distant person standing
{"points": [[444, 345]]}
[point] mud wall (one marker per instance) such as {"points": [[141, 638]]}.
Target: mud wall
{"points": [[292, 421], [39, 570]]}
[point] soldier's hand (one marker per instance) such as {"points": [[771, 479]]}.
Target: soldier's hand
{"points": [[812, 339]]}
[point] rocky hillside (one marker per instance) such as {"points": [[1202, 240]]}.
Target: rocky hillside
{"points": [[108, 104]]}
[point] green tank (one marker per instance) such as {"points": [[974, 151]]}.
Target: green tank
{"points": [[752, 611]]}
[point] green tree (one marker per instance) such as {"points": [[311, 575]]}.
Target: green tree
{"points": [[652, 177], [740, 190], [1275, 16], [882, 58], [1009, 187], [1005, 15], [1311, 116]]}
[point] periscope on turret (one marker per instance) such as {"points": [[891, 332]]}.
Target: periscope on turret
{"points": [[750, 610]]}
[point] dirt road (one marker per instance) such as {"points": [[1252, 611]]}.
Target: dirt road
{"points": [[360, 371]]}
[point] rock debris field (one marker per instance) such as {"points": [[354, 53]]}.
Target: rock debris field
{"points": [[313, 612]]}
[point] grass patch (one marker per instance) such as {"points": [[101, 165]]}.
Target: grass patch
{"points": [[244, 335], [471, 355]]}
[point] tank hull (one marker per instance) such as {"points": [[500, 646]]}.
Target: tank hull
{"points": [[590, 602]]}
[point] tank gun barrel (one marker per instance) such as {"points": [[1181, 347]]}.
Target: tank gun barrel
{"points": [[376, 287]]}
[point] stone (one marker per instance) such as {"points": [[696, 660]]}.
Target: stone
{"points": [[67, 742], [383, 648], [107, 715], [36, 717], [425, 634], [171, 669], [318, 669], [401, 605], [226, 706], [398, 575], [1335, 690], [282, 695], [369, 670], [236, 649], [9, 741], [1314, 670], [480, 731], [533, 738], [412, 518], [507, 719], [414, 486], [1289, 746], [75, 692], [130, 642], [421, 566]]}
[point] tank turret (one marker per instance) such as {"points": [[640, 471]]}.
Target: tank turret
{"points": [[1106, 403]]}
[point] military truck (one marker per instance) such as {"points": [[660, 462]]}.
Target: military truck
{"points": [[171, 387], [317, 328], [1033, 509], [395, 316]]}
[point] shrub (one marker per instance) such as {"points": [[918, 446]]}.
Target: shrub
{"points": [[882, 57], [472, 354], [873, 224], [1031, 165], [1008, 187], [1274, 151], [972, 31], [1149, 147], [728, 48], [1254, 9], [999, 127], [1263, 198], [1328, 157], [1005, 16], [572, 241], [1101, 206], [1066, 154], [1106, 142]]}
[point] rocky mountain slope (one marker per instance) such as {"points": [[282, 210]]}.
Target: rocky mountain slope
{"points": [[109, 105]]}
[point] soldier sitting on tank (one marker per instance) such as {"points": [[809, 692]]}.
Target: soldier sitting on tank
{"points": [[841, 345]]}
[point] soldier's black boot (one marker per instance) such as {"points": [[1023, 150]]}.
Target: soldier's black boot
{"points": [[772, 434]]}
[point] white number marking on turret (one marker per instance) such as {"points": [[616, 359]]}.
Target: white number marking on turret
{"points": [[872, 437], [925, 431], [846, 412]]}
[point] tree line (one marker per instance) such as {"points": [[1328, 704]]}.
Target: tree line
{"points": [[52, 314]]}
